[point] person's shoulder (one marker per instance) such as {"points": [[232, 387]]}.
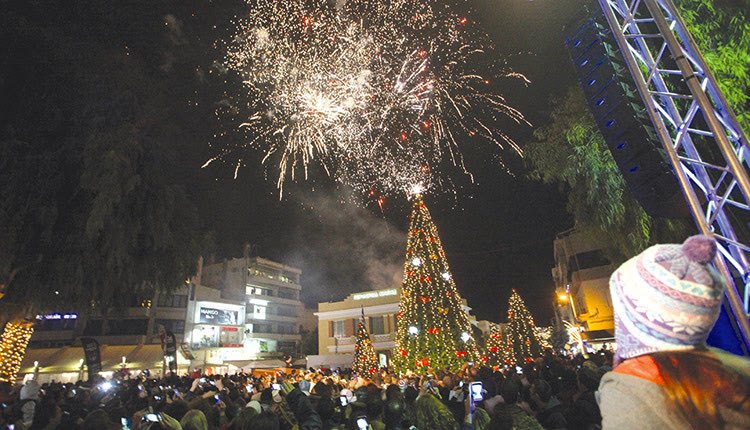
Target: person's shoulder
{"points": [[735, 362]]}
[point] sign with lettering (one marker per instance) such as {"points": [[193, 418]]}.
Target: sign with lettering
{"points": [[218, 316], [375, 294]]}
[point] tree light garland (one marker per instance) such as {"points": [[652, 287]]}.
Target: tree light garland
{"points": [[433, 328], [13, 348], [365, 360], [522, 337]]}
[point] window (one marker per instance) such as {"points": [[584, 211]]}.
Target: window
{"points": [[172, 301], [262, 328], [54, 325], [376, 325], [286, 311], [339, 328], [258, 291], [175, 326], [287, 329], [587, 260], [287, 293]]}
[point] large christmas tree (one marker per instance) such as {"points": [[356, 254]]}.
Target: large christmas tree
{"points": [[497, 354], [365, 360], [433, 328], [523, 342]]}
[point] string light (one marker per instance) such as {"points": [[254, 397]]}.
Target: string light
{"points": [[523, 341], [12, 349], [365, 360], [432, 327], [497, 354]]}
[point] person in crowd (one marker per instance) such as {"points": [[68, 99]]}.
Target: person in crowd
{"points": [[666, 300], [510, 414], [549, 410]]}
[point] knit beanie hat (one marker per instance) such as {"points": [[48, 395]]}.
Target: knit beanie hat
{"points": [[666, 298]]}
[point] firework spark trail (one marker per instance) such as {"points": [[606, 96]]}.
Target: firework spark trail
{"points": [[375, 91]]}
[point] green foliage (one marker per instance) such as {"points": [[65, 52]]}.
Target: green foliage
{"points": [[721, 28], [571, 151], [309, 345], [365, 359], [94, 205], [431, 304], [559, 337], [522, 339]]}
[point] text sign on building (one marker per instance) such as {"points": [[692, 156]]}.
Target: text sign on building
{"points": [[374, 294], [218, 316]]}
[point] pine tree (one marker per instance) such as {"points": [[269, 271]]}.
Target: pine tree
{"points": [[433, 328], [523, 343], [365, 360], [497, 355]]}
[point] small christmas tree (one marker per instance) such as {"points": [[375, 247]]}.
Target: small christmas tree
{"points": [[523, 343], [497, 354], [365, 360], [433, 328]]}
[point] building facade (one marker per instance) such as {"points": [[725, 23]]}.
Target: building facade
{"points": [[581, 276], [337, 326], [270, 294], [244, 315]]}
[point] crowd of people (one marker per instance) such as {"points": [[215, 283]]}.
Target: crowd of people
{"points": [[662, 376], [550, 392]]}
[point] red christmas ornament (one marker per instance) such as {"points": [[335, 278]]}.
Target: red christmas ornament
{"points": [[483, 359], [409, 273], [460, 354], [428, 278], [493, 349], [400, 315], [425, 362], [402, 351], [418, 362]]}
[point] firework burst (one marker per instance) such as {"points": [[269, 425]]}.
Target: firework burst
{"points": [[380, 93]]}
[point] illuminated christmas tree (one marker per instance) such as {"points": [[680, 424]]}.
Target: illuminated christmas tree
{"points": [[433, 328], [365, 360], [15, 338], [497, 354], [523, 343]]}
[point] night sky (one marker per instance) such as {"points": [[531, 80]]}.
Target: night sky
{"points": [[497, 233]]}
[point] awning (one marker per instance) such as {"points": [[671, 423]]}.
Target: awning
{"points": [[145, 357], [111, 356], [44, 356], [68, 359]]}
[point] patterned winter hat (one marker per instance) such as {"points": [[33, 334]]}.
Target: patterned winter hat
{"points": [[666, 298]]}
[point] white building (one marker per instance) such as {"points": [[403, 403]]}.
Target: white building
{"points": [[269, 293]]}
